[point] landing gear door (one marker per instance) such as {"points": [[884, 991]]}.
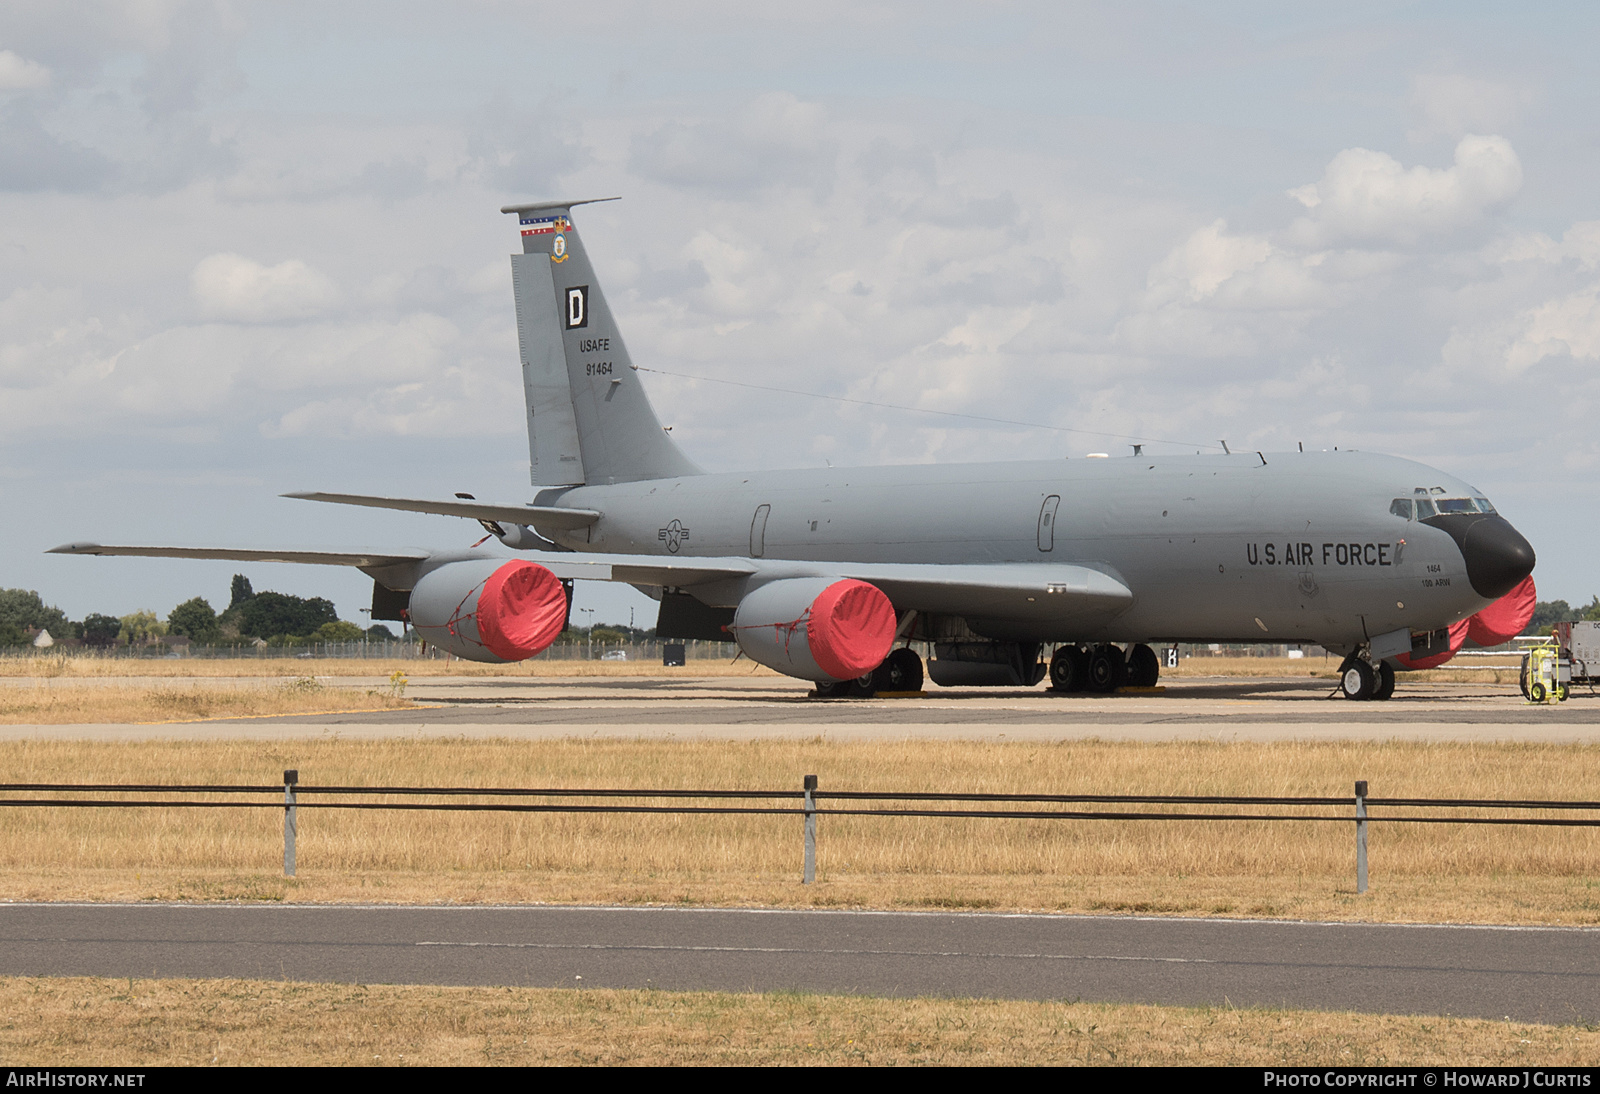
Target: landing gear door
{"points": [[1047, 522]]}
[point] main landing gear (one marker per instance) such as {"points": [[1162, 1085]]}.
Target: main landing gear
{"points": [[1359, 680], [1103, 668], [901, 671]]}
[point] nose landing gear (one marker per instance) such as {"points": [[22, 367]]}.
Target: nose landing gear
{"points": [[1360, 680]]}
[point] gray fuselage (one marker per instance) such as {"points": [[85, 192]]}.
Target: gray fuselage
{"points": [[1286, 547]]}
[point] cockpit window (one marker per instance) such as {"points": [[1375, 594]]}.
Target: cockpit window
{"points": [[1421, 506]]}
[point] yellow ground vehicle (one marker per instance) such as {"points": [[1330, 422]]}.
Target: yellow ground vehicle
{"points": [[1546, 675]]}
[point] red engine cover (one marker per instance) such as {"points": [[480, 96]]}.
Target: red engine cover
{"points": [[1504, 619], [816, 628], [850, 629], [489, 610]]}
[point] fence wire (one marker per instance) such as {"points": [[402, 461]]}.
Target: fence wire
{"points": [[313, 797]]}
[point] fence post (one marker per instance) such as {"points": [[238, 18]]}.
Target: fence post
{"points": [[810, 874], [1361, 835], [290, 779]]}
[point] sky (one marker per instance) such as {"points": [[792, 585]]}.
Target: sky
{"points": [[248, 248]]}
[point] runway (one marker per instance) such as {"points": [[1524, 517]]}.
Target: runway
{"points": [[765, 706], [1528, 974]]}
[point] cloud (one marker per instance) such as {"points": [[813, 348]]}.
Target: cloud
{"points": [[33, 159], [231, 287], [191, 63], [1565, 327], [1453, 105], [52, 333], [437, 408], [775, 139], [355, 355], [20, 74], [1579, 244], [1209, 257], [1366, 196], [521, 151]]}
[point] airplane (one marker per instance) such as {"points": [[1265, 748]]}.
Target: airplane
{"points": [[830, 575]]}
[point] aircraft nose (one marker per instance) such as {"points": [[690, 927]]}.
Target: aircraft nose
{"points": [[1497, 556]]}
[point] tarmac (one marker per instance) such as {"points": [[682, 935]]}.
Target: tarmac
{"points": [[766, 706], [1530, 974]]}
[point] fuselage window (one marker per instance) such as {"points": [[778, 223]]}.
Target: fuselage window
{"points": [[1401, 507], [1456, 505], [1425, 509]]}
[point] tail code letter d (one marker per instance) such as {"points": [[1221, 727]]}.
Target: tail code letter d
{"points": [[578, 307]]}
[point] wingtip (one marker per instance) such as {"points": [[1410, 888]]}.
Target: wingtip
{"points": [[74, 549]]}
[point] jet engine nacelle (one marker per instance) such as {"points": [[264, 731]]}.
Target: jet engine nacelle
{"points": [[816, 628], [489, 609]]}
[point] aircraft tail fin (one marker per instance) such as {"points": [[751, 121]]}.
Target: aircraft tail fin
{"points": [[589, 420]]}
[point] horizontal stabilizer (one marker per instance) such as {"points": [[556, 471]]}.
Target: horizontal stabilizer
{"points": [[541, 206], [545, 516], [362, 559]]}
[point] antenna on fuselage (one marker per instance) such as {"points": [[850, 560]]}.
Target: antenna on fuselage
{"points": [[1138, 450], [1225, 451]]}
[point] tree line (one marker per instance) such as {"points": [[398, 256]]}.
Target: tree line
{"points": [[1549, 612], [272, 617]]}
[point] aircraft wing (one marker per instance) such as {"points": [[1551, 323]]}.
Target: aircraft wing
{"points": [[644, 569], [1011, 590], [1021, 591], [362, 559], [547, 516]]}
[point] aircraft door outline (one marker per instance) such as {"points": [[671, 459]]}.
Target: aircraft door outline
{"points": [[758, 531], [1047, 522]]}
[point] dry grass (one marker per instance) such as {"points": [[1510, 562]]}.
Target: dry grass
{"points": [[126, 1024], [1419, 872], [54, 703], [69, 667]]}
